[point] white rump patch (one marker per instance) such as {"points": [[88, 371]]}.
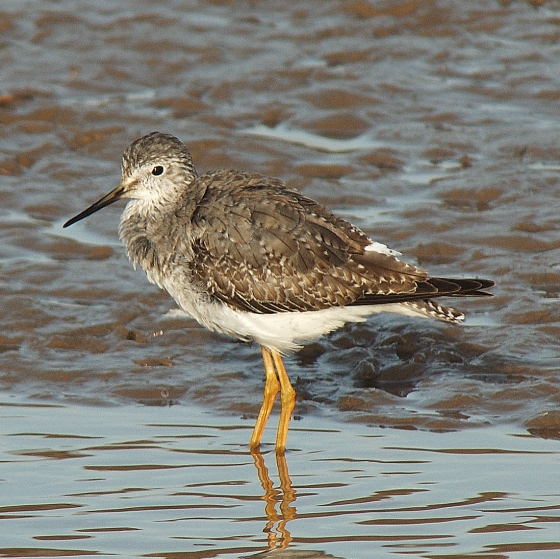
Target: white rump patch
{"points": [[374, 246]]}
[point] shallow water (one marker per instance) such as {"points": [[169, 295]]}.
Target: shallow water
{"points": [[431, 125], [176, 482]]}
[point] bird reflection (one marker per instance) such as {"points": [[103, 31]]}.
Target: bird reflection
{"points": [[278, 508]]}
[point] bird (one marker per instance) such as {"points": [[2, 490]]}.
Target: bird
{"points": [[249, 257]]}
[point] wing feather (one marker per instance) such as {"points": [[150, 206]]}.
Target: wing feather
{"points": [[261, 247]]}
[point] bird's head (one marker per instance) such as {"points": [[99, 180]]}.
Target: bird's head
{"points": [[156, 168]]}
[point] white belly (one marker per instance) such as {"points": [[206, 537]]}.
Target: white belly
{"points": [[284, 331]]}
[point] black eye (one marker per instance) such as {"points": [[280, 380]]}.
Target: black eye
{"points": [[157, 170]]}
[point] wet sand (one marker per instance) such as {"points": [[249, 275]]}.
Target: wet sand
{"points": [[431, 125]]}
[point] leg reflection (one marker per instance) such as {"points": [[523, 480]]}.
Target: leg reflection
{"points": [[279, 536]]}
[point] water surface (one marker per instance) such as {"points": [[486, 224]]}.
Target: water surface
{"points": [[176, 482]]}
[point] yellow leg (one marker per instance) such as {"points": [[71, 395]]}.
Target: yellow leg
{"points": [[271, 388], [288, 400]]}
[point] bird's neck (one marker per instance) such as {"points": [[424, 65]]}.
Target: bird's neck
{"points": [[139, 221]]}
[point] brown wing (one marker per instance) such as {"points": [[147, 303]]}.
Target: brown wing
{"points": [[261, 247]]}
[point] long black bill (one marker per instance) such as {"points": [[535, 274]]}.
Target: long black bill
{"points": [[113, 196]]}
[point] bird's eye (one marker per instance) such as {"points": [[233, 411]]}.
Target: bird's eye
{"points": [[157, 170]]}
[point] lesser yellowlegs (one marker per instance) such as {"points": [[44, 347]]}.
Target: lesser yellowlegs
{"points": [[248, 257]]}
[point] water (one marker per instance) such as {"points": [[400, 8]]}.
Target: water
{"points": [[433, 126], [176, 480]]}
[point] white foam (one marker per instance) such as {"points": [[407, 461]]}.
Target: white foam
{"points": [[315, 141]]}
